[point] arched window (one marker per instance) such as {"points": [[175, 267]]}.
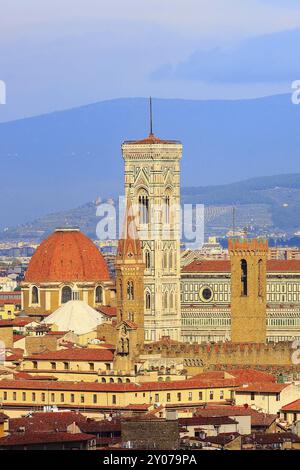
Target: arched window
{"points": [[99, 295], [144, 208], [165, 260], [121, 290], [167, 209], [103, 380], [165, 300], [148, 259], [66, 294], [148, 300], [130, 290], [171, 300], [260, 278], [119, 380], [244, 277], [131, 316], [34, 295], [171, 259]]}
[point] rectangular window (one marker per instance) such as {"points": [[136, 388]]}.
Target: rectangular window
{"points": [[178, 396], [24, 396], [4, 395], [211, 395], [252, 396], [52, 397], [66, 366], [33, 396], [114, 399], [62, 397], [14, 396], [34, 364], [221, 394], [156, 398], [72, 397], [92, 366], [107, 366], [277, 396], [200, 396], [82, 398], [94, 398], [190, 396], [53, 365], [43, 396], [168, 397]]}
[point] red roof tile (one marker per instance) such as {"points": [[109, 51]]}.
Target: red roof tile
{"points": [[42, 438], [261, 387], [75, 354], [67, 255], [224, 266], [293, 406]]}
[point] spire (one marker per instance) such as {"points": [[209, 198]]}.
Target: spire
{"points": [[150, 116], [129, 246]]}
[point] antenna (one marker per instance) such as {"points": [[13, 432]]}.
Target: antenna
{"points": [[151, 122]]}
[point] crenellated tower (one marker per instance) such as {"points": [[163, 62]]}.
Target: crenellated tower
{"points": [[248, 290]]}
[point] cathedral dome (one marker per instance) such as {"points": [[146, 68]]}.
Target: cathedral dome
{"points": [[67, 255]]}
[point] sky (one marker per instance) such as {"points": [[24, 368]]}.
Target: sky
{"points": [[58, 54]]}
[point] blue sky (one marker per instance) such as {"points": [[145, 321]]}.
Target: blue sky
{"points": [[57, 54]]}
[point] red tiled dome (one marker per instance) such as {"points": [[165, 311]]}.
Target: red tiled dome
{"points": [[67, 255]]}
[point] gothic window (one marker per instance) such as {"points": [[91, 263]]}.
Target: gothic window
{"points": [[35, 295], [171, 300], [144, 208], [171, 259], [131, 316], [121, 290], [260, 278], [148, 300], [244, 277], [148, 259], [165, 260], [165, 300], [99, 295], [66, 294], [130, 290], [167, 209]]}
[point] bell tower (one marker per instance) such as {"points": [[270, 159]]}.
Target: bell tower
{"points": [[248, 290], [152, 182], [130, 280]]}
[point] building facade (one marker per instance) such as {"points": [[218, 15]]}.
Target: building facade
{"points": [[152, 183], [206, 300]]}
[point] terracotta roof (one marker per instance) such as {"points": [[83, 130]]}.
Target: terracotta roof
{"points": [[206, 420], [75, 354], [46, 422], [118, 387], [261, 387], [107, 310], [293, 406], [151, 139], [67, 255], [270, 438], [42, 438], [292, 265], [129, 245]]}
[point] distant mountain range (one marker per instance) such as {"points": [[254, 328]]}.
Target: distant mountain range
{"points": [[54, 162], [265, 205]]}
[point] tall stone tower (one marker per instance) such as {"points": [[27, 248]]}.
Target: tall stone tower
{"points": [[248, 290], [130, 279], [152, 182]]}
